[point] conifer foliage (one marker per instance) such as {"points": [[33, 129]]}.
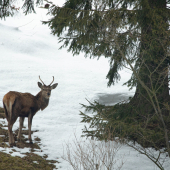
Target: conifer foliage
{"points": [[8, 8], [132, 34]]}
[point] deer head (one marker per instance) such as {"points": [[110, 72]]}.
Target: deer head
{"points": [[46, 90]]}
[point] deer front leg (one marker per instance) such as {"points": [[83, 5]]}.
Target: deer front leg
{"points": [[29, 126], [21, 121]]}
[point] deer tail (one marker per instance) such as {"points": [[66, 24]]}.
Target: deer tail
{"points": [[8, 105]]}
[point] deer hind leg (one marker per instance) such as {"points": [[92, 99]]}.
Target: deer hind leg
{"points": [[29, 126], [10, 125], [21, 121], [11, 137]]}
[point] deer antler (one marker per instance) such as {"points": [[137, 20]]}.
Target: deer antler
{"points": [[41, 80], [52, 81]]}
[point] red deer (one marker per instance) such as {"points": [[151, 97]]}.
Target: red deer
{"points": [[23, 105]]}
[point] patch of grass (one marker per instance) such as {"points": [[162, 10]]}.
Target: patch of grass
{"points": [[30, 162]]}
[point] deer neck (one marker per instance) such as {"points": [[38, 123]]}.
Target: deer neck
{"points": [[42, 102]]}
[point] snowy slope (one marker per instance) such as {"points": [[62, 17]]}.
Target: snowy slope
{"points": [[29, 50]]}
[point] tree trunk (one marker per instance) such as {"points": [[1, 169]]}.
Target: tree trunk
{"points": [[153, 62], [149, 104]]}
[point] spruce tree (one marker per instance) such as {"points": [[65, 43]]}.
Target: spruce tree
{"points": [[133, 34]]}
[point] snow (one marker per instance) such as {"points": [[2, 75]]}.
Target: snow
{"points": [[29, 50]]}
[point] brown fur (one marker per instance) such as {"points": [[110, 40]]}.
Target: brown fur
{"points": [[23, 105], [46, 6]]}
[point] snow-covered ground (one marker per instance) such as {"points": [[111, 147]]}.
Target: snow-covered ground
{"points": [[28, 50]]}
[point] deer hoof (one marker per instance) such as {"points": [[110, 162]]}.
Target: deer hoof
{"points": [[12, 144]]}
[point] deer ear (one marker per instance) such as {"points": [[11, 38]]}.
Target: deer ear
{"points": [[39, 85], [54, 86]]}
